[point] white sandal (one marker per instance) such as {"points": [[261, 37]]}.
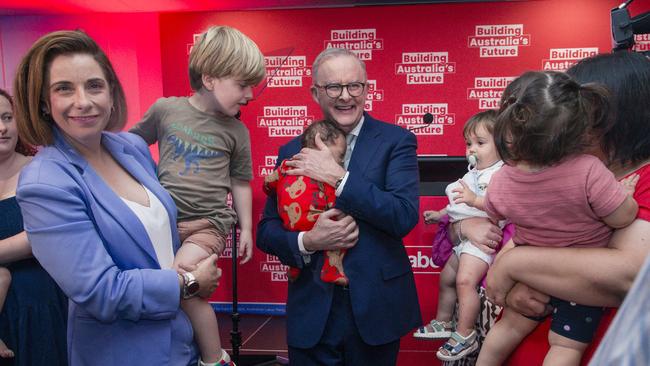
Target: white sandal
{"points": [[463, 347], [435, 330]]}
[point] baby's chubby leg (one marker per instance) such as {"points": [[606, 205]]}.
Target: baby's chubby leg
{"points": [[447, 291], [446, 304], [470, 272], [572, 329], [504, 337], [564, 351]]}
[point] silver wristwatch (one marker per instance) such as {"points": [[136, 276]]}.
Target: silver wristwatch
{"points": [[190, 285]]}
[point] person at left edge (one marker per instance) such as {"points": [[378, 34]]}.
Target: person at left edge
{"points": [[34, 316], [97, 218]]}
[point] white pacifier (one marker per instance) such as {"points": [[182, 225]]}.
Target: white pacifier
{"points": [[473, 160]]}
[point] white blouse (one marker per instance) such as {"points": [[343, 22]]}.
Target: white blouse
{"points": [[155, 220]]}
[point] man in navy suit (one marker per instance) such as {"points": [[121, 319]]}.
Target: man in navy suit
{"points": [[377, 204]]}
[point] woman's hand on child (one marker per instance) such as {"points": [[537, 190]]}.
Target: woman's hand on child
{"points": [[629, 183], [207, 274], [245, 250], [481, 232], [528, 301], [464, 194]]}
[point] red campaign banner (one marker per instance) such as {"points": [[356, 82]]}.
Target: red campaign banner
{"points": [[450, 60]]}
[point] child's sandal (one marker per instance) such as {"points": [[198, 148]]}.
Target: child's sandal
{"points": [[435, 330], [463, 347]]}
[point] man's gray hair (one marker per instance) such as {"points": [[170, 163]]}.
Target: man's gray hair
{"points": [[332, 53]]}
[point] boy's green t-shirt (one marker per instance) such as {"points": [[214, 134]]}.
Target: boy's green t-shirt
{"points": [[199, 153]]}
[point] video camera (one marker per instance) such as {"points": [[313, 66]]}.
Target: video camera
{"points": [[624, 28]]}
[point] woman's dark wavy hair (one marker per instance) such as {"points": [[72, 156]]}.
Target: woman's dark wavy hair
{"points": [[547, 116], [627, 76], [21, 147]]}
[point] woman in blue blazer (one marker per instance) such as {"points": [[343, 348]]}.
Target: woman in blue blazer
{"points": [[96, 217]]}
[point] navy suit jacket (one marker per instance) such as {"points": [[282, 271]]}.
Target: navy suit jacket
{"points": [[123, 310], [381, 193]]}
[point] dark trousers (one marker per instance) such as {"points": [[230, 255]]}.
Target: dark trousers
{"points": [[341, 343]]}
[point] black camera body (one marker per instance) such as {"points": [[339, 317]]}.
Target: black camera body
{"points": [[625, 27]]}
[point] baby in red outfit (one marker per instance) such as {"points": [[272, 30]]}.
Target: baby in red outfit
{"points": [[301, 199]]}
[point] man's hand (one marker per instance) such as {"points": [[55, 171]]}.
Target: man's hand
{"points": [[245, 250], [318, 164], [333, 230]]}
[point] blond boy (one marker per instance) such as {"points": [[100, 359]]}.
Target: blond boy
{"points": [[204, 155]]}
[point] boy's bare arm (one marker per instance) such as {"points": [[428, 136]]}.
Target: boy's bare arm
{"points": [[242, 196]]}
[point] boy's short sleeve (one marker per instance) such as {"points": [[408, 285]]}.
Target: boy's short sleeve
{"points": [[147, 128]]}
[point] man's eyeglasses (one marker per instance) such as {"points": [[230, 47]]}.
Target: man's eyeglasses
{"points": [[335, 90]]}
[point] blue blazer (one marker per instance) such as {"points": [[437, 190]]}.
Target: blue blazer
{"points": [[123, 309], [381, 193]]}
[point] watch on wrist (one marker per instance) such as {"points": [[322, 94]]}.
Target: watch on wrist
{"points": [[190, 285]]}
